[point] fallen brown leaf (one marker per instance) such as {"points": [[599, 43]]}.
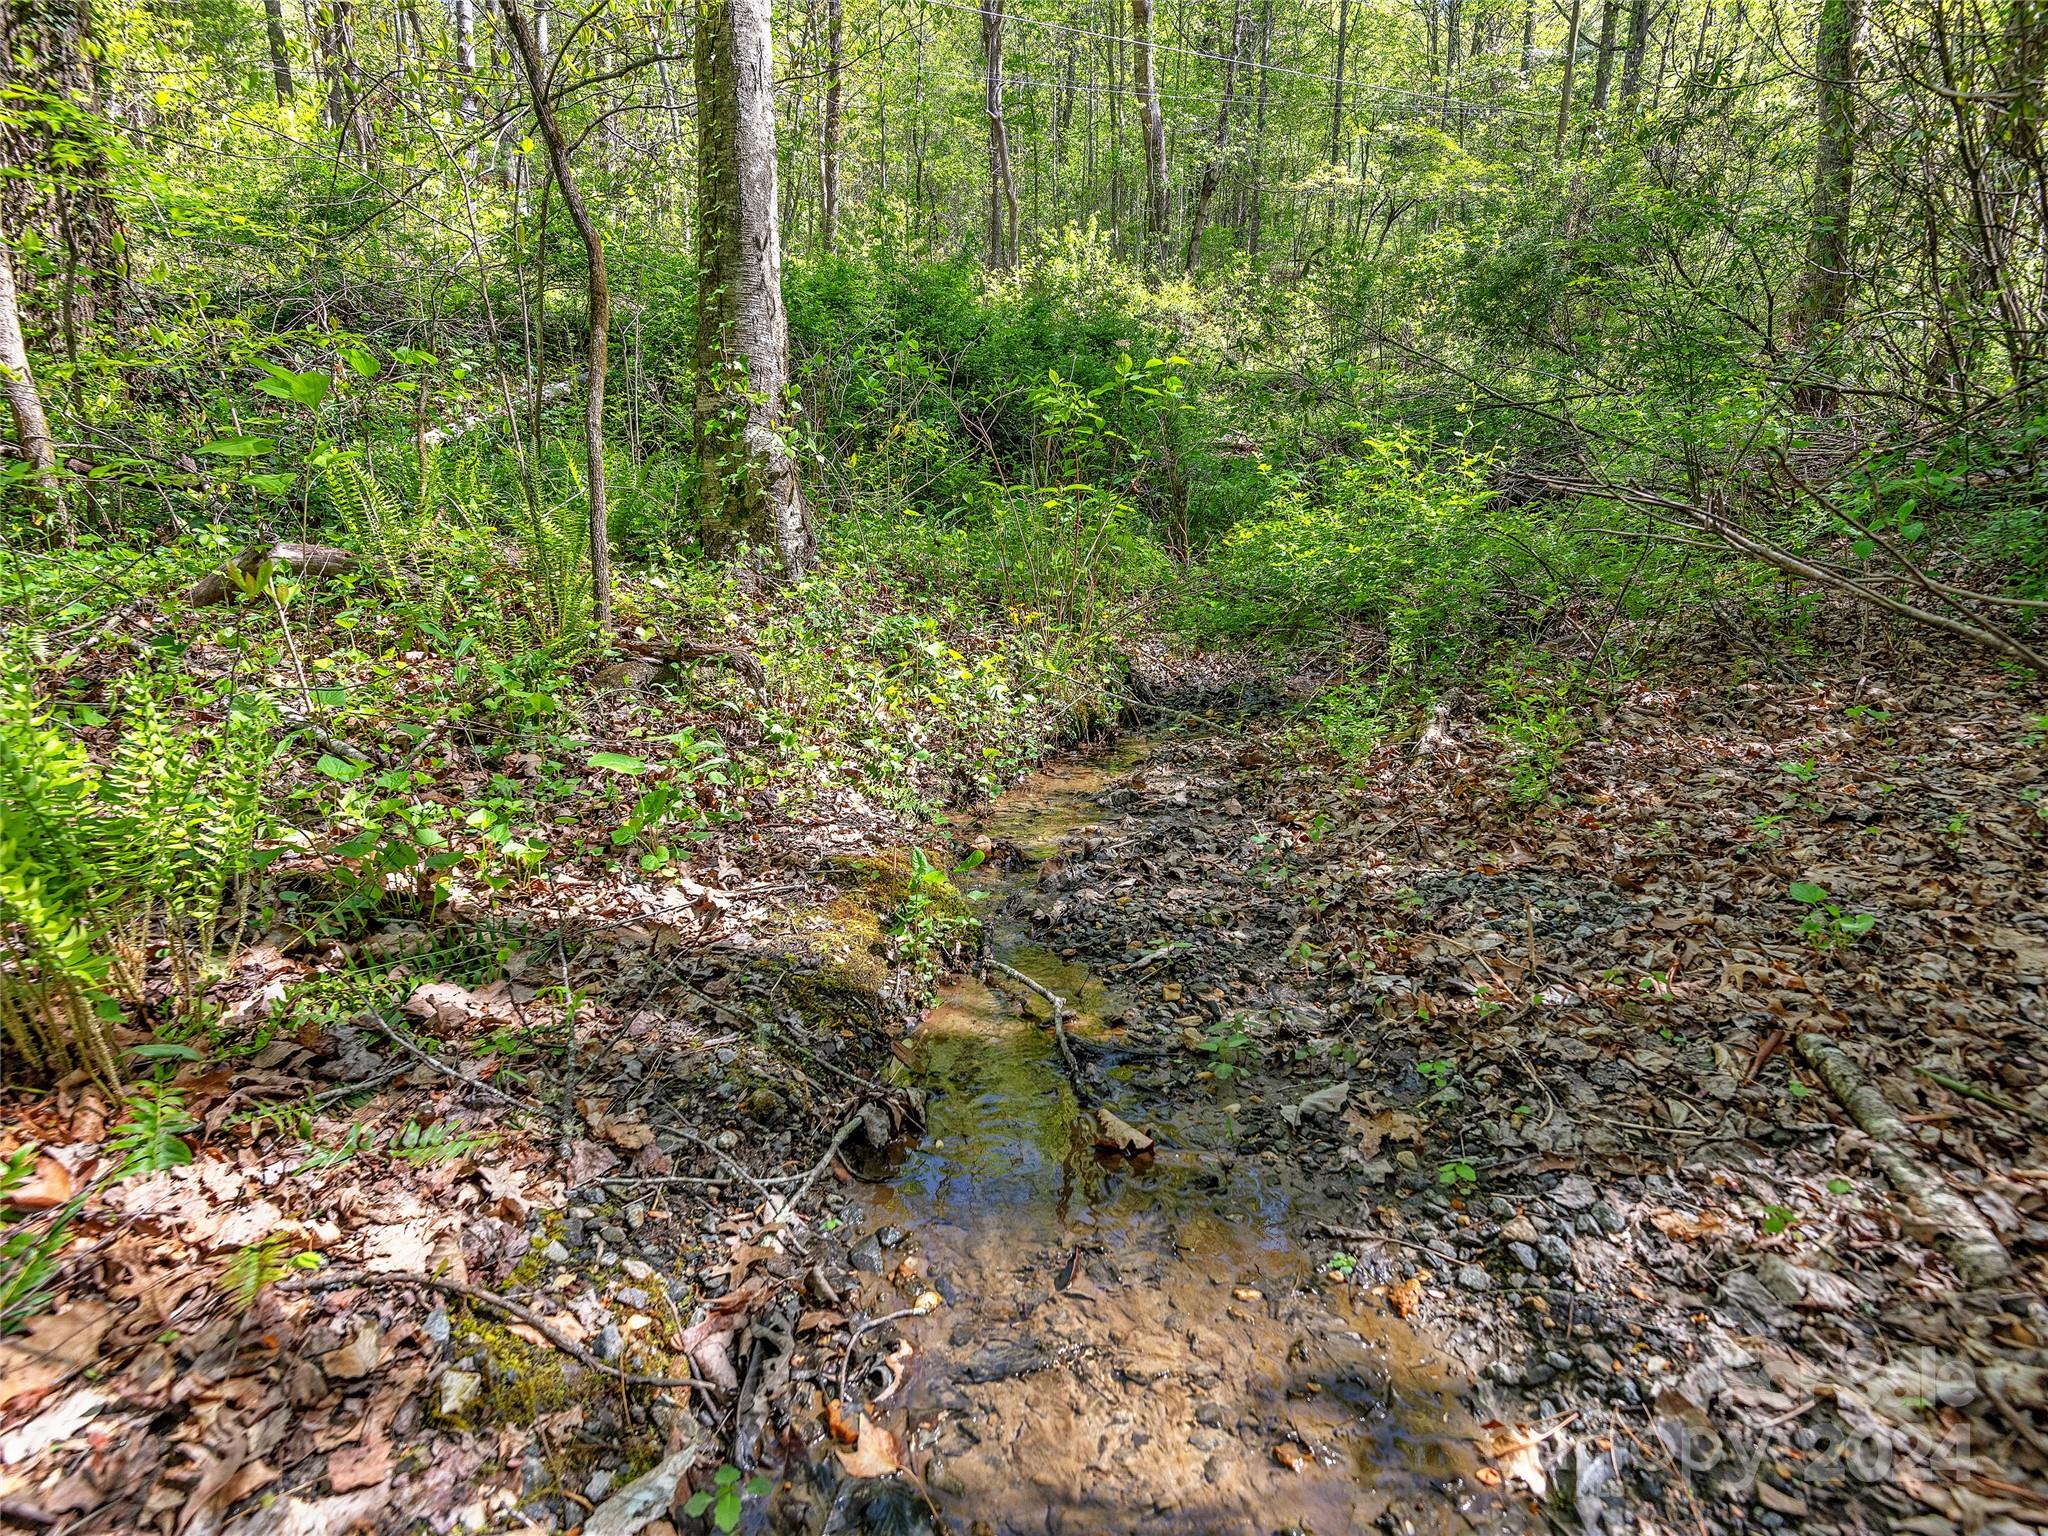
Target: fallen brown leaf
{"points": [[874, 1454], [1119, 1135]]}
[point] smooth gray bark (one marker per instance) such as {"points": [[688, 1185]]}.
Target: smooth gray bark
{"points": [[747, 487]]}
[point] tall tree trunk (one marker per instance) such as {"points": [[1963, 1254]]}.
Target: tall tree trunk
{"points": [[464, 19], [1212, 168], [829, 170], [1571, 59], [280, 49], [1638, 46], [1002, 181], [1528, 40], [1154, 129], [1337, 90], [1255, 216], [1603, 74], [747, 488], [1824, 293], [18, 384], [599, 295]]}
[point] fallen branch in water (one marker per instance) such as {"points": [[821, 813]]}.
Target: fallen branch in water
{"points": [[1058, 1006]]}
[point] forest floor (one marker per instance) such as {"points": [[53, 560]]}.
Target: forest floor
{"points": [[1428, 1159]]}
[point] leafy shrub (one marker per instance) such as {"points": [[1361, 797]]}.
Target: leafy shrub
{"points": [[1400, 536]]}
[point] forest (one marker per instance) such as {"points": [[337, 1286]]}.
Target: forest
{"points": [[998, 766]]}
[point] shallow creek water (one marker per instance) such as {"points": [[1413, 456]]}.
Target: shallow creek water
{"points": [[1134, 1345]]}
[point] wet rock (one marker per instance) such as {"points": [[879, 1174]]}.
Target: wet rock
{"points": [[1473, 1278], [866, 1255]]}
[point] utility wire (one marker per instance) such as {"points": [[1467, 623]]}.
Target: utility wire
{"points": [[1432, 97]]}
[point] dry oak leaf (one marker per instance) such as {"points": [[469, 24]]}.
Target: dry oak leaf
{"points": [[1690, 1229], [53, 1347], [355, 1359], [359, 1466], [48, 1186], [1119, 1135], [874, 1454], [1406, 1298]]}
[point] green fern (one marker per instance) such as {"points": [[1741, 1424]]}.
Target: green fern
{"points": [[517, 580], [103, 866]]}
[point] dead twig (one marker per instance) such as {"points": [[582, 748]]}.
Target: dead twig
{"points": [[1058, 1006], [350, 1279], [1978, 1255], [442, 1067]]}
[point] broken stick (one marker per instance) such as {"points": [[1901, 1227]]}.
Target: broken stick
{"points": [[1978, 1255]]}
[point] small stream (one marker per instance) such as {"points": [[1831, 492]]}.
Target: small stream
{"points": [[1130, 1344]]}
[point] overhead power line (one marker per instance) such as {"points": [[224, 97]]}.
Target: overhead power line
{"points": [[1431, 97]]}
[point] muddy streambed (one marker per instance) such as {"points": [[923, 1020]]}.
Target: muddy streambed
{"points": [[1130, 1344]]}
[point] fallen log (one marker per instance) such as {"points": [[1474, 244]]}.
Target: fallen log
{"points": [[1974, 1248], [299, 559]]}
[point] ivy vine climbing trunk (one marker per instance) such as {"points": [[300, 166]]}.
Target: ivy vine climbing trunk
{"points": [[1824, 288], [54, 173], [598, 292], [1153, 127], [747, 487]]}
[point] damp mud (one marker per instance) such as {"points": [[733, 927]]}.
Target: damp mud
{"points": [[1129, 1343]]}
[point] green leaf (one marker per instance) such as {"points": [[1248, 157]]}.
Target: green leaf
{"points": [[340, 768], [362, 361], [237, 447], [307, 389], [272, 485], [698, 1502], [1807, 892], [164, 1050], [618, 762]]}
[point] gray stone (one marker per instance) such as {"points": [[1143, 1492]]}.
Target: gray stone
{"points": [[608, 1346], [555, 1253], [1575, 1192], [1473, 1278], [1556, 1252], [1523, 1255]]}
